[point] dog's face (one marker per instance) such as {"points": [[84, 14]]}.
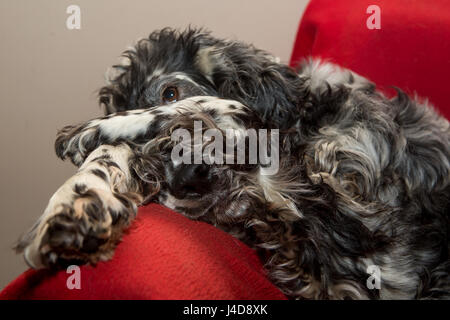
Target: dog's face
{"points": [[170, 66], [164, 68], [200, 189]]}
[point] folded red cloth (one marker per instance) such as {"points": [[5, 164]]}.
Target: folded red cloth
{"points": [[409, 51], [164, 255]]}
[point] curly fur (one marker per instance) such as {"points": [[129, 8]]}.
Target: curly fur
{"points": [[363, 179]]}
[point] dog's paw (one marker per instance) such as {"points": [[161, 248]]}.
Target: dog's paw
{"points": [[76, 142], [79, 226]]}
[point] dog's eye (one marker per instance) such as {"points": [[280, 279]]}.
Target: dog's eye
{"points": [[170, 94]]}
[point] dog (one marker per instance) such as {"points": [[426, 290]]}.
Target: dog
{"points": [[362, 183]]}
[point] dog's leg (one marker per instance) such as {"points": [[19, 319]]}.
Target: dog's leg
{"points": [[86, 216], [137, 127]]}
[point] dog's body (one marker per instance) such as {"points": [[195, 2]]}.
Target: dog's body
{"points": [[363, 181]]}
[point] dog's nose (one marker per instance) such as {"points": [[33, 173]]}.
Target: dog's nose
{"points": [[190, 180]]}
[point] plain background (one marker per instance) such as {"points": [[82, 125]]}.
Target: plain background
{"points": [[49, 76]]}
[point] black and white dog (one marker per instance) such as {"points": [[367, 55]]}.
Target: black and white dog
{"points": [[363, 181]]}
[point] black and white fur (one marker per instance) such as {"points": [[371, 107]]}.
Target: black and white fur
{"points": [[363, 180]]}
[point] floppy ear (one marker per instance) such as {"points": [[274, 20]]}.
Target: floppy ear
{"points": [[116, 94], [205, 62], [253, 77]]}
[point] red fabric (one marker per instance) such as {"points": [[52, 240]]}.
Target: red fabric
{"points": [[410, 51], [163, 256]]}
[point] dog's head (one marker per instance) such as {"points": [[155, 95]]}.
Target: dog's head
{"points": [[169, 66]]}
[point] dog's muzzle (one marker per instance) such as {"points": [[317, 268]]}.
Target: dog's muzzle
{"points": [[190, 180]]}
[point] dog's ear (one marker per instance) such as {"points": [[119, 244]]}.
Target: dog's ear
{"points": [[253, 77], [205, 62], [122, 84]]}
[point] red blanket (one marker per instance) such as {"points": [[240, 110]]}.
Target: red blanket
{"points": [[163, 256]]}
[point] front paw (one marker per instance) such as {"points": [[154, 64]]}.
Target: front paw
{"points": [[82, 227], [76, 142]]}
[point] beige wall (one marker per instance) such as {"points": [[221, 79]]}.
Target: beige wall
{"points": [[49, 75]]}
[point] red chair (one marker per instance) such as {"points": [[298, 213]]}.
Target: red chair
{"points": [[411, 50], [167, 256]]}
